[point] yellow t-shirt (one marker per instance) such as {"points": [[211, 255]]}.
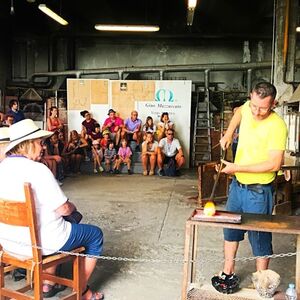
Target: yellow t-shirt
{"points": [[256, 139]]}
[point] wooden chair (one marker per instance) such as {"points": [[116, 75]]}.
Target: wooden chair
{"points": [[18, 213]]}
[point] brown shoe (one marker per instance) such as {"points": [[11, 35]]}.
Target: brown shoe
{"points": [[151, 173], [145, 173]]}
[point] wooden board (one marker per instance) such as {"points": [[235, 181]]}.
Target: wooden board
{"points": [[99, 91], [220, 217], [79, 94], [123, 101]]}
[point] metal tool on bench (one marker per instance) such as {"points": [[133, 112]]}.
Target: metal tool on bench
{"points": [[209, 207]]}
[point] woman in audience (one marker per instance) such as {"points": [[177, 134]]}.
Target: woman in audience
{"points": [[21, 165], [89, 123], [2, 116], [88, 128], [54, 150], [149, 126], [163, 126], [75, 149], [53, 122], [49, 161], [9, 120], [65, 156]]}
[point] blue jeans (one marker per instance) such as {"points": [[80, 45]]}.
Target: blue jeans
{"points": [[247, 200], [88, 236]]}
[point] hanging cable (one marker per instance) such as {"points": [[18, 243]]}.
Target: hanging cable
{"points": [[273, 42]]}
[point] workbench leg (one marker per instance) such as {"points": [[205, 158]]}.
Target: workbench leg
{"points": [[297, 278], [194, 252], [186, 263]]}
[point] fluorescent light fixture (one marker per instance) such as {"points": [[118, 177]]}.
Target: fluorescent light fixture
{"points": [[192, 4], [135, 28], [298, 28], [52, 14]]}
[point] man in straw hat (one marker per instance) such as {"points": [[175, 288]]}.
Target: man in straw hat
{"points": [[21, 165]]}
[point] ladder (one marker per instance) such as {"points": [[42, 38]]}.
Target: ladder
{"points": [[202, 131]]}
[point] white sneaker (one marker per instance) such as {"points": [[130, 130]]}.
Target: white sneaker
{"points": [[101, 169], [87, 158], [95, 171]]}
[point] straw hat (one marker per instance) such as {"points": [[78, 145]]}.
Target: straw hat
{"points": [[4, 135], [23, 131]]}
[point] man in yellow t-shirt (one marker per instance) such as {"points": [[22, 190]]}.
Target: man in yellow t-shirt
{"points": [[262, 140]]}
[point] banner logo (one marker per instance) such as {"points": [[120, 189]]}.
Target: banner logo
{"points": [[164, 95]]}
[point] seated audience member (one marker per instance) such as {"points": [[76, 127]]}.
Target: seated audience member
{"points": [[149, 154], [114, 124], [49, 161], [75, 150], [105, 140], [97, 156], [110, 155], [132, 128], [15, 111], [8, 121], [53, 121], [54, 150], [169, 148], [4, 140], [22, 165], [2, 118], [88, 127], [163, 126], [149, 126], [124, 156], [62, 142], [89, 123], [61, 137], [97, 134]]}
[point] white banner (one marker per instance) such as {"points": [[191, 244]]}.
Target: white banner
{"points": [[174, 97]]}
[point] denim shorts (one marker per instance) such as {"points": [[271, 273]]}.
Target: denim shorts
{"points": [[251, 199], [86, 235]]}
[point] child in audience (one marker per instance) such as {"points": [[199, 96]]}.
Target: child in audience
{"points": [[97, 134], [149, 154], [105, 140], [124, 155], [97, 156], [110, 155], [148, 127]]}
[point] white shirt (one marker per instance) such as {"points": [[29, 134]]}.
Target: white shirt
{"points": [[54, 230], [169, 149]]}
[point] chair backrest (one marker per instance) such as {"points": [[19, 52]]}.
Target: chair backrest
{"points": [[17, 213]]}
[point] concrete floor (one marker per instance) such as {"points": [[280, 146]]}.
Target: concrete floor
{"points": [[144, 217]]}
